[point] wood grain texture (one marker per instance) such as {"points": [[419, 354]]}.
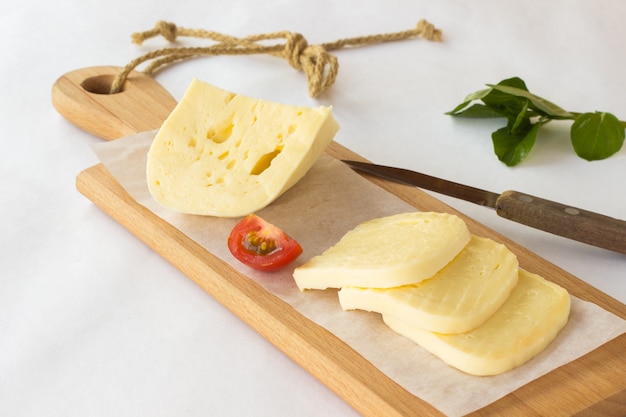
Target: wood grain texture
{"points": [[574, 223], [595, 383], [82, 97], [580, 385], [322, 354]]}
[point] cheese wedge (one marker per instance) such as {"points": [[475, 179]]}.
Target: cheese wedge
{"points": [[525, 325], [223, 154], [457, 299], [387, 252]]}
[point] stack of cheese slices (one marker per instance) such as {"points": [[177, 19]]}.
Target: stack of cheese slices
{"points": [[459, 296]]}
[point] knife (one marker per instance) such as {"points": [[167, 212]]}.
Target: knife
{"points": [[570, 222]]}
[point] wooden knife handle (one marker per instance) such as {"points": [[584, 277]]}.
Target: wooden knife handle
{"points": [[570, 222]]}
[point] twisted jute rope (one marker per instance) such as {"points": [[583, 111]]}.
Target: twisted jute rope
{"points": [[319, 66]]}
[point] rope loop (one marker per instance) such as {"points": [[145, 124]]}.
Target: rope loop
{"points": [[319, 66]]}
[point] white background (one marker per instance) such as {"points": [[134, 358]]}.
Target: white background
{"points": [[92, 322]]}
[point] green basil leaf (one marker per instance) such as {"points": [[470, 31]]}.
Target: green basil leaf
{"points": [[477, 95], [540, 104], [513, 148], [510, 104], [470, 97], [458, 109], [597, 135], [479, 111], [521, 122], [502, 103]]}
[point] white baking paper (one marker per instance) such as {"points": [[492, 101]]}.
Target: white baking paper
{"points": [[330, 200]]}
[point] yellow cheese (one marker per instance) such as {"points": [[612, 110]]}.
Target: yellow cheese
{"points": [[525, 325], [223, 154], [458, 298], [387, 252]]}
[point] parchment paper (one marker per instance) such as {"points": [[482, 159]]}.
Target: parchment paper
{"points": [[330, 200]]}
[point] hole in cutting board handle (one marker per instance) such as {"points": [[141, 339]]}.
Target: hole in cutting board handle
{"points": [[83, 97], [100, 84]]}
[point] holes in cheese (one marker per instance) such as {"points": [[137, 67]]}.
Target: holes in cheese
{"points": [[222, 133], [458, 298], [265, 161], [387, 252], [524, 326], [224, 154]]}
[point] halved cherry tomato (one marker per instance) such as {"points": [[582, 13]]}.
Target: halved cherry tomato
{"points": [[261, 245]]}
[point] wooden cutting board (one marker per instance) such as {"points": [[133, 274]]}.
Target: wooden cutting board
{"points": [[593, 385]]}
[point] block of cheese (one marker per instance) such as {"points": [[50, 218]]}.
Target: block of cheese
{"points": [[387, 252], [457, 299], [223, 154], [524, 326]]}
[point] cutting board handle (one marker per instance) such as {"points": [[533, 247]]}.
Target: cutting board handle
{"points": [[82, 97]]}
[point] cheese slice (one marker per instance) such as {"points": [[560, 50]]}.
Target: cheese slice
{"points": [[223, 154], [457, 299], [524, 326], [387, 252]]}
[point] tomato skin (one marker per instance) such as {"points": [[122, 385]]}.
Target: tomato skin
{"points": [[261, 245]]}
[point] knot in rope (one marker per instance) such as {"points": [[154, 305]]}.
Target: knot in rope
{"points": [[318, 65], [428, 30], [169, 31], [295, 46]]}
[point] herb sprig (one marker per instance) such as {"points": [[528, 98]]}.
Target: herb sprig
{"points": [[594, 136]]}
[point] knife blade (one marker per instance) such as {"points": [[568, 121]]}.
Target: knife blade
{"points": [[552, 217]]}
